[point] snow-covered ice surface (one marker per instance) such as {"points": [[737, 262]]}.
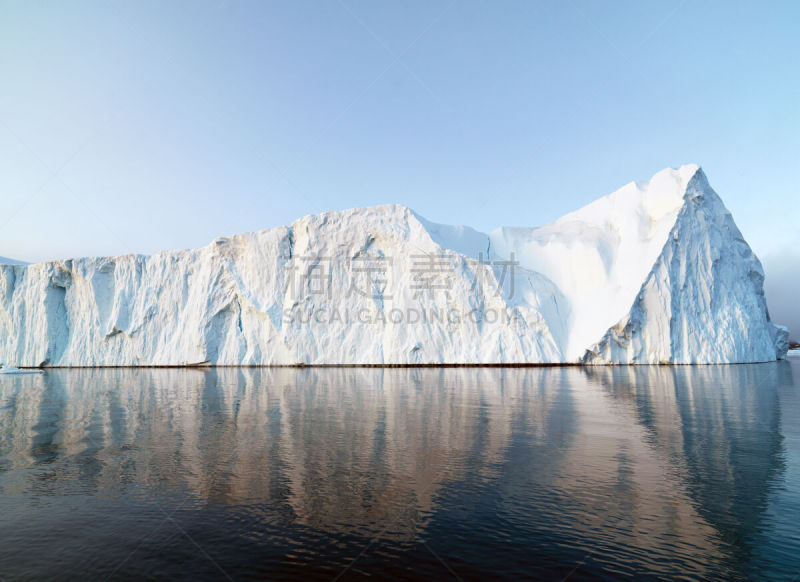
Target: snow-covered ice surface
{"points": [[656, 272]]}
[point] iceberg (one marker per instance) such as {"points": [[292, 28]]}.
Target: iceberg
{"points": [[656, 272]]}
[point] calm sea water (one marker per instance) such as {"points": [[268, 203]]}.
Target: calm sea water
{"points": [[471, 474]]}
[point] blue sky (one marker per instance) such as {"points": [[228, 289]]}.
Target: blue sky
{"points": [[139, 126]]}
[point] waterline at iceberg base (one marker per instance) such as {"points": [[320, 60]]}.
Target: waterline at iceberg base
{"points": [[656, 272]]}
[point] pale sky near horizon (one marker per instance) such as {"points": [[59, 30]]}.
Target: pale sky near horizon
{"points": [[140, 126]]}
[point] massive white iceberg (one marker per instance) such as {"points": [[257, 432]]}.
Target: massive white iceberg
{"points": [[656, 272]]}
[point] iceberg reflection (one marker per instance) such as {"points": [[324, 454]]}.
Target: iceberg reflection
{"points": [[649, 469]]}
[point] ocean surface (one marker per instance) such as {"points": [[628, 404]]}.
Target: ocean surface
{"points": [[688, 473]]}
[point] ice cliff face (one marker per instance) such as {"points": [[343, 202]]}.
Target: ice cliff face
{"points": [[655, 272], [702, 300]]}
